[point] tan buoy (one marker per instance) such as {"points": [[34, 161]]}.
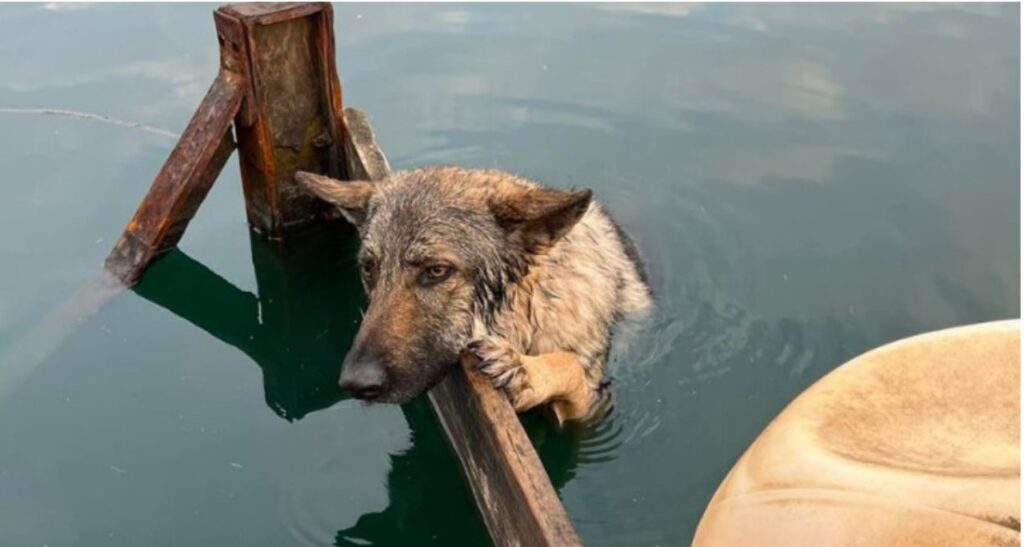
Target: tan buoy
{"points": [[916, 443]]}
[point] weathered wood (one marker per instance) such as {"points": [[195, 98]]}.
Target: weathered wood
{"points": [[514, 493], [363, 157], [182, 183], [515, 496], [268, 13], [292, 118], [278, 83]]}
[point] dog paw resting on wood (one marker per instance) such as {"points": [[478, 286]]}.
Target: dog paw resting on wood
{"points": [[529, 279]]}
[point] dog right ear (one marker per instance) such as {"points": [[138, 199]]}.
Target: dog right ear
{"points": [[538, 217], [351, 197]]}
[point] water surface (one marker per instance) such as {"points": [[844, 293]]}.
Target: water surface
{"points": [[805, 182]]}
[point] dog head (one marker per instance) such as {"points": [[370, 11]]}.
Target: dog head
{"points": [[438, 248]]}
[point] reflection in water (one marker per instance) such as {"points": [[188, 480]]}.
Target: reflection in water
{"points": [[429, 503], [805, 181], [297, 329]]}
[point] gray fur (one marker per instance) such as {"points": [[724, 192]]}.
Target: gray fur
{"points": [[534, 271]]}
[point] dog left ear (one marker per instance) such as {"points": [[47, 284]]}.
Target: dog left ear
{"points": [[351, 197], [539, 217]]}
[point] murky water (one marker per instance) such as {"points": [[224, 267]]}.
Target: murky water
{"points": [[805, 182]]}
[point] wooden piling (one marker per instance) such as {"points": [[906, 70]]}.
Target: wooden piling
{"points": [[278, 87], [291, 119]]}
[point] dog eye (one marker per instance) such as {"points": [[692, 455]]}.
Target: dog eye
{"points": [[436, 273], [366, 268]]}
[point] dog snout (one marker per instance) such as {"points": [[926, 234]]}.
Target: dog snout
{"points": [[364, 378]]}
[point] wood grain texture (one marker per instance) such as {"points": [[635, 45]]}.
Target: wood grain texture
{"points": [[363, 157], [266, 13], [278, 83], [513, 492], [181, 185], [515, 496], [291, 119]]}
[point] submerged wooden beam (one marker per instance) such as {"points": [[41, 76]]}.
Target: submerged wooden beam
{"points": [[515, 496], [32, 347]]}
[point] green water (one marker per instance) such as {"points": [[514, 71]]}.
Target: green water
{"points": [[805, 183]]}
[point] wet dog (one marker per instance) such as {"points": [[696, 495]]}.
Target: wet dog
{"points": [[531, 279]]}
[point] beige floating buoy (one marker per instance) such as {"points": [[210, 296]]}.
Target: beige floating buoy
{"points": [[916, 443]]}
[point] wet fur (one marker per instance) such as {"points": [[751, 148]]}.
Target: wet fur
{"points": [[542, 276]]}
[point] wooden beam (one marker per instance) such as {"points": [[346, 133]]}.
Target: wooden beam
{"points": [[513, 492], [279, 85], [515, 496], [192, 167], [363, 157], [181, 185], [291, 119]]}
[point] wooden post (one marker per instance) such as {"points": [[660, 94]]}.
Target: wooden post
{"points": [[291, 119], [278, 85]]}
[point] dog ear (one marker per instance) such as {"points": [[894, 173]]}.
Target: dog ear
{"points": [[539, 217], [352, 198]]}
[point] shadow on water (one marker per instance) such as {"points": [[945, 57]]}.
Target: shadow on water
{"points": [[297, 329], [428, 498]]}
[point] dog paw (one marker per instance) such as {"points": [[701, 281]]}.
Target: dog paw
{"points": [[501, 363]]}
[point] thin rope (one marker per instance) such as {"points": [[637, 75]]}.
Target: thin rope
{"points": [[85, 116]]}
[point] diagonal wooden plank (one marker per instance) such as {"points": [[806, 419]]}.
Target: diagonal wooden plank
{"points": [[514, 494], [182, 184]]}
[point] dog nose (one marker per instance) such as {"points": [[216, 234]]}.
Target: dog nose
{"points": [[363, 379]]}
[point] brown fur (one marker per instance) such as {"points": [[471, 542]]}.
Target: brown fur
{"points": [[531, 278]]}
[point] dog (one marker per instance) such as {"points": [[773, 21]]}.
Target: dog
{"points": [[529, 279]]}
